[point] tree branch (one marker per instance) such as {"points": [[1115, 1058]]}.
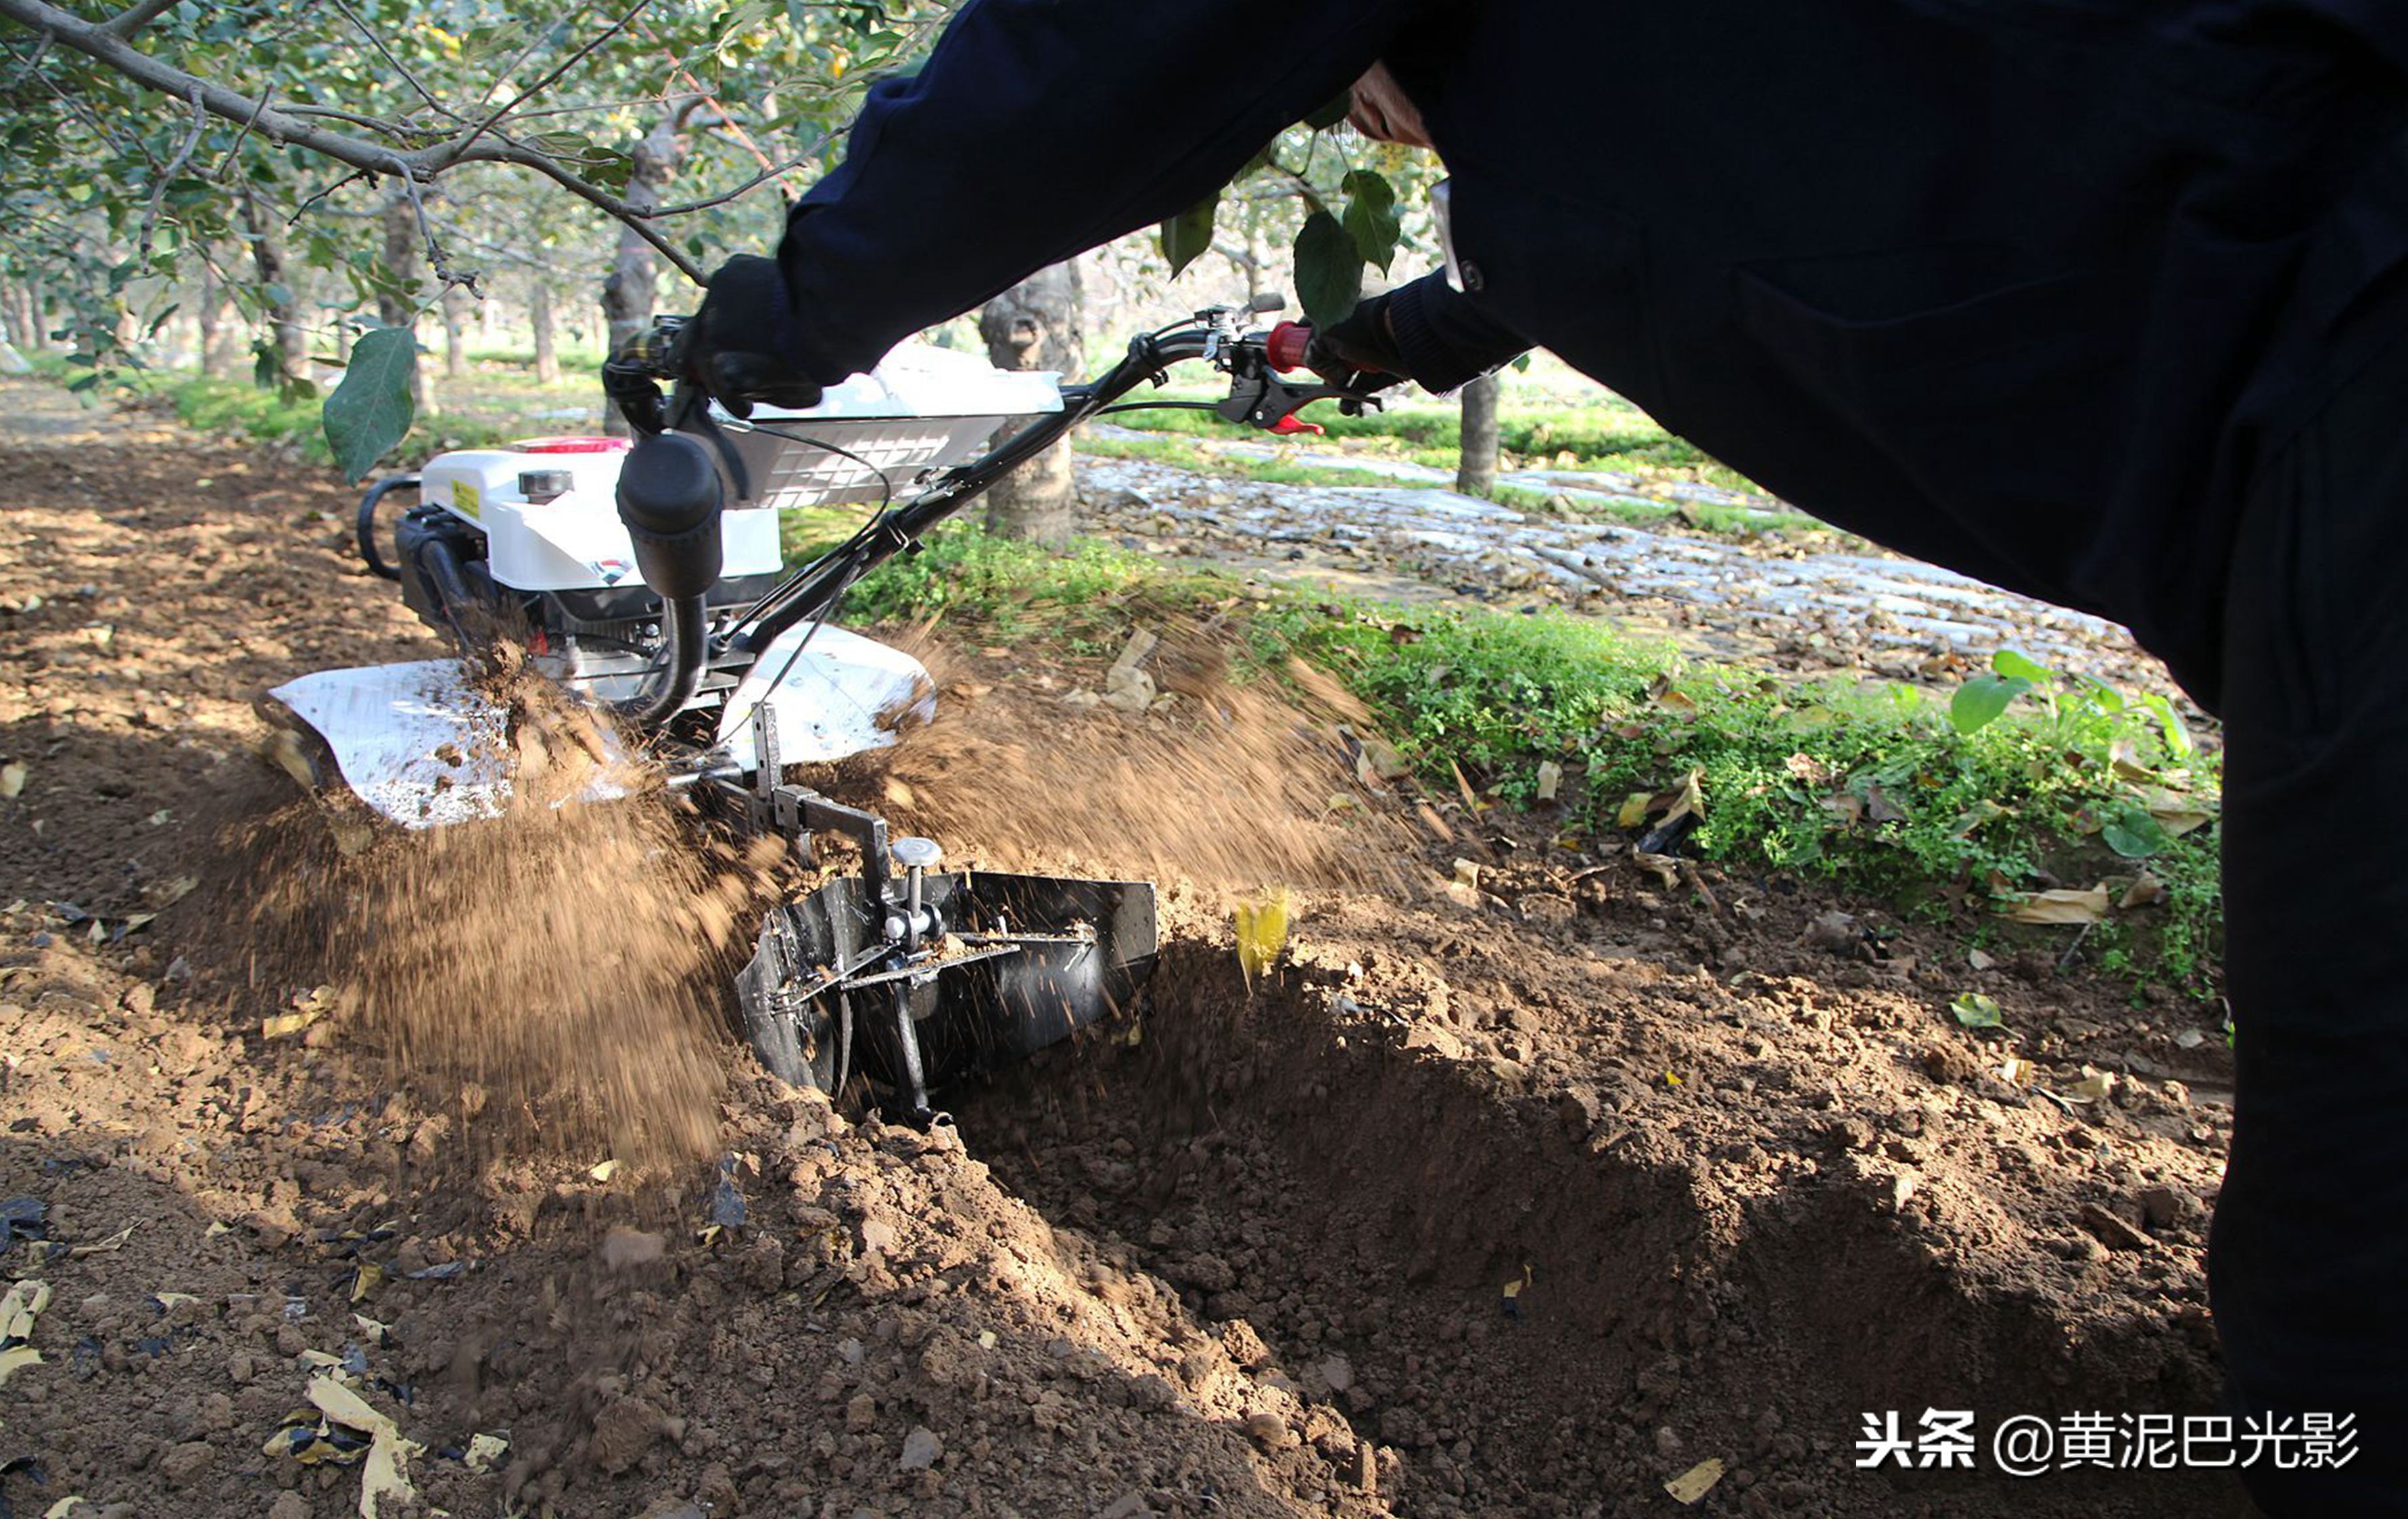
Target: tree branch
{"points": [[774, 171], [415, 166], [159, 180], [135, 18], [593, 195], [566, 65], [395, 64]]}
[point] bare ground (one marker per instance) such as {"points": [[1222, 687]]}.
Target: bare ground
{"points": [[1516, 1200]]}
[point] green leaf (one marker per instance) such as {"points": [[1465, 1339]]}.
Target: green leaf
{"points": [[1974, 1011], [2020, 666], [371, 410], [611, 168], [1188, 235], [1330, 114], [2102, 696], [1328, 270], [1980, 700], [2178, 741], [2134, 833], [1372, 217]]}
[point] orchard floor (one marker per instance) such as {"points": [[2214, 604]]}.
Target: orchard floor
{"points": [[1525, 1199]]}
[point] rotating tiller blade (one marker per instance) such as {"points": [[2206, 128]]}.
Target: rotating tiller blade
{"points": [[921, 981]]}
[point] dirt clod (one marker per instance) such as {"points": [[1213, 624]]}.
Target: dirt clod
{"points": [[622, 1432]]}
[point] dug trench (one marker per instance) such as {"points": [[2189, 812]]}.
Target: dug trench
{"points": [[1528, 1196], [1554, 1304]]}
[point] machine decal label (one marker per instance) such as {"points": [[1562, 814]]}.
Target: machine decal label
{"points": [[466, 501], [611, 570]]}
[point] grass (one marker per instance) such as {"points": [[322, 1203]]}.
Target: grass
{"points": [[1868, 785], [267, 415]]}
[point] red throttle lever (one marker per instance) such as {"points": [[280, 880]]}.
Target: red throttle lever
{"points": [[1291, 424], [1286, 347]]}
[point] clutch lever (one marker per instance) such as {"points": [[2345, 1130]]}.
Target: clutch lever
{"points": [[1258, 398]]}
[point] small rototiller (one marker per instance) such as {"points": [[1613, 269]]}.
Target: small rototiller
{"points": [[645, 578]]}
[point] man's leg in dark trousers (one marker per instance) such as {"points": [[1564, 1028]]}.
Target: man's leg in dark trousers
{"points": [[2308, 1264]]}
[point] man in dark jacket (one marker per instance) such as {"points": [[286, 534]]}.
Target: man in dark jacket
{"points": [[2099, 300]]}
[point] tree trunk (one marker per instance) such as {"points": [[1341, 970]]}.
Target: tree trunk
{"points": [[547, 352], [457, 303], [631, 292], [216, 334], [1475, 469], [290, 350], [16, 315], [1035, 326], [25, 315], [397, 299]]}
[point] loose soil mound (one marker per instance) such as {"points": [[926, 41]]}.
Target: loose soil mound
{"points": [[1520, 1196]]}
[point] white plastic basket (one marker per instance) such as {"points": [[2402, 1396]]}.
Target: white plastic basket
{"points": [[921, 408]]}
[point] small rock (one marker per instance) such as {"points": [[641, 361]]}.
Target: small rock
{"points": [[1129, 1505], [184, 1465], [1579, 1109], [622, 1433], [1836, 932], [1339, 1372], [1367, 1468], [2111, 1230], [861, 1413], [764, 1265], [288, 1506], [921, 1449], [1245, 1345], [716, 1492], [2166, 1207], [1267, 1429], [1154, 1394]]}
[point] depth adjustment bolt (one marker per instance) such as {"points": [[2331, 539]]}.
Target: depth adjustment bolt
{"points": [[917, 856]]}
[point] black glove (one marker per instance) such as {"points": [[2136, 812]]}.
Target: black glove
{"points": [[729, 351], [1358, 354]]}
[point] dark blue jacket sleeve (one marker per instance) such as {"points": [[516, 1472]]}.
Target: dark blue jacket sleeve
{"points": [[1038, 129], [1446, 338]]}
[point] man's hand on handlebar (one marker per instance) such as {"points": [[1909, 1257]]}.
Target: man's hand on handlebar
{"points": [[1358, 354], [727, 351]]}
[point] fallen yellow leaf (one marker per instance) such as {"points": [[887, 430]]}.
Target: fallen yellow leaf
{"points": [[1262, 932], [386, 1471], [2094, 1086], [1697, 1481], [2060, 907]]}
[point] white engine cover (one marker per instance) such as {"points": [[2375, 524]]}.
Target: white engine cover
{"points": [[574, 542]]}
